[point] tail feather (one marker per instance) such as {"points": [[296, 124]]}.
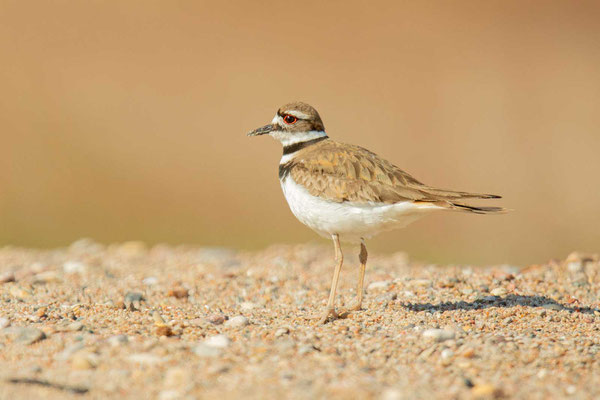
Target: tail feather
{"points": [[454, 200], [475, 209], [453, 195], [454, 206]]}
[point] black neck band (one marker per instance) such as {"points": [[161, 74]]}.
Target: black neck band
{"points": [[292, 148]]}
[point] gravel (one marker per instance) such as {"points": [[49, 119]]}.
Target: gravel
{"points": [[129, 321]]}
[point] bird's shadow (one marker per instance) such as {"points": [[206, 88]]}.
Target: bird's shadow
{"points": [[511, 300]]}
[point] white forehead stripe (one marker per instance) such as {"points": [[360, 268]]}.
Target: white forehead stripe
{"points": [[297, 114]]}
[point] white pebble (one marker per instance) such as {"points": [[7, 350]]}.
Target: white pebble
{"points": [[446, 354], [282, 331], [542, 374], [421, 282], [247, 306], [203, 350], [379, 285], [149, 281], [145, 358], [118, 340], [74, 267], [218, 341], [575, 267], [169, 395], [237, 322], [391, 394], [498, 292], [439, 335]]}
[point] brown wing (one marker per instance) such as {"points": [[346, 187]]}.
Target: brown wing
{"points": [[341, 172]]}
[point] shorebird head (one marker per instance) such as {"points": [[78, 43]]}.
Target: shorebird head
{"points": [[294, 123]]}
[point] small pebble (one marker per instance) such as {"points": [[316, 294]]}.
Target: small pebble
{"points": [[204, 350], [218, 341], [19, 293], [421, 282], [75, 326], [282, 331], [150, 281], [7, 277], [133, 301], [379, 285], [392, 394], [498, 292], [164, 330], [4, 322], [439, 335], [446, 357], [217, 319], [74, 267], [467, 291], [177, 377], [83, 360], [29, 335], [553, 306], [247, 306], [169, 394], [468, 353], [118, 340], [237, 322], [69, 351], [145, 358], [485, 391], [307, 348], [447, 353], [179, 292], [46, 277]]}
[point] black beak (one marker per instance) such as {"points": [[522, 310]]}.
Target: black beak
{"points": [[263, 130]]}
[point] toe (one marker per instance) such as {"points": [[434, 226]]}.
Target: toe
{"points": [[325, 317]]}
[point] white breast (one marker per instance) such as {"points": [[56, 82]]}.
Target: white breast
{"points": [[351, 221]]}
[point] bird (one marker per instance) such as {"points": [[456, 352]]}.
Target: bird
{"points": [[348, 193]]}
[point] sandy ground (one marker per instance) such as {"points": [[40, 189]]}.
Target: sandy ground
{"points": [[127, 321]]}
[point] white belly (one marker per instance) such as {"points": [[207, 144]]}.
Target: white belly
{"points": [[351, 221]]}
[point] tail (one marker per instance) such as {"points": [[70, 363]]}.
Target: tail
{"points": [[452, 200], [456, 195], [474, 209]]}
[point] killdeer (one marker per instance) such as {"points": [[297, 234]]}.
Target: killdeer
{"points": [[347, 193]]}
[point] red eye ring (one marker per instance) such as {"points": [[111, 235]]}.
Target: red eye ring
{"points": [[289, 119]]}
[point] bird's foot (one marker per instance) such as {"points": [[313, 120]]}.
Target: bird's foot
{"points": [[355, 307], [330, 312]]}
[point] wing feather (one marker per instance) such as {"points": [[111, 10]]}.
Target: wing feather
{"points": [[341, 172]]}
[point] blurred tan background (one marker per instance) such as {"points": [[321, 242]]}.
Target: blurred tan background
{"points": [[127, 120]]}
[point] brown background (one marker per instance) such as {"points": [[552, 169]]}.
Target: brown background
{"points": [[127, 120]]}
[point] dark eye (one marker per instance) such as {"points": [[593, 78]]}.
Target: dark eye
{"points": [[290, 119]]}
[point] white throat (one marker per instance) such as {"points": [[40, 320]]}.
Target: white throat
{"points": [[290, 138]]}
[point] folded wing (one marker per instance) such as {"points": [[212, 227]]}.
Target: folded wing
{"points": [[348, 173]]}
